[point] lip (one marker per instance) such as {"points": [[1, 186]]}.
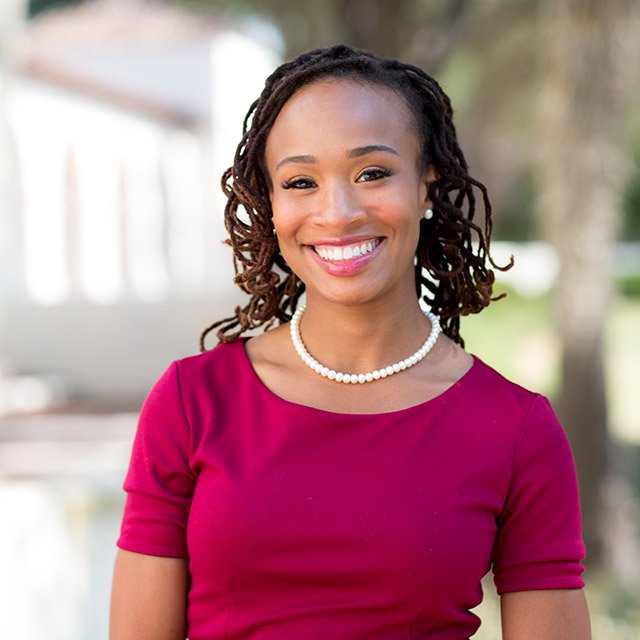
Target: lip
{"points": [[348, 267], [342, 242]]}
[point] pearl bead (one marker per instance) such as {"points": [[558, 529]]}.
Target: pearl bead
{"points": [[360, 378]]}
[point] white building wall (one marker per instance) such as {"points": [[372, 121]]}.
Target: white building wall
{"points": [[118, 257]]}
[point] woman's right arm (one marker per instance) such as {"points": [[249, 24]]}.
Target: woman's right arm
{"points": [[148, 598]]}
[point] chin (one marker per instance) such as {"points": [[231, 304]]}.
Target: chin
{"points": [[351, 296]]}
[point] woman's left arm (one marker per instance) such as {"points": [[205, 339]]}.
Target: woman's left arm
{"points": [[560, 614]]}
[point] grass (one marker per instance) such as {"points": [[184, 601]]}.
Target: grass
{"points": [[614, 611], [516, 336]]}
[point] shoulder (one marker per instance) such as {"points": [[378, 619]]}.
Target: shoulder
{"points": [[492, 387], [226, 357], [271, 349], [503, 409], [201, 377], [199, 389]]}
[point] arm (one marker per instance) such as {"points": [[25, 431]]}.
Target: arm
{"points": [[545, 615], [151, 576], [148, 598]]}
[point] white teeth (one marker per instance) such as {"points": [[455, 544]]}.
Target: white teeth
{"points": [[336, 254]]}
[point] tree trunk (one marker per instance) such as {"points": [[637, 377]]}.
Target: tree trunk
{"points": [[406, 29], [580, 170], [377, 25]]}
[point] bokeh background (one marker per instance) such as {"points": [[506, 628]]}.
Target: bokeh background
{"points": [[117, 118]]}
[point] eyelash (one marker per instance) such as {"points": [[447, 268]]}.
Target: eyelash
{"points": [[376, 172], [373, 173], [297, 183]]}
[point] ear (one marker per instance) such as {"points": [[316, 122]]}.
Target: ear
{"points": [[429, 175]]}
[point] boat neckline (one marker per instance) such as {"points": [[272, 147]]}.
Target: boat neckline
{"points": [[443, 395]]}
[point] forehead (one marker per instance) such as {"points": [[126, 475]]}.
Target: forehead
{"points": [[341, 112]]}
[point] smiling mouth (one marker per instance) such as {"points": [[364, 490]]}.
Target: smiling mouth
{"points": [[346, 252]]}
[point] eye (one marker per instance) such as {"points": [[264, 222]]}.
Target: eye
{"points": [[373, 173], [299, 183]]}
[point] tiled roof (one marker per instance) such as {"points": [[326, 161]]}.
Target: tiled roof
{"points": [[143, 55], [106, 24]]}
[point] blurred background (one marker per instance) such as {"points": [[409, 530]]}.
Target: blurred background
{"points": [[117, 118]]}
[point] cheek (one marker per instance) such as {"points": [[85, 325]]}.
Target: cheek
{"points": [[277, 218], [286, 216], [283, 224], [401, 212]]}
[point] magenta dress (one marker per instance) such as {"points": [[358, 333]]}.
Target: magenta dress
{"points": [[300, 523]]}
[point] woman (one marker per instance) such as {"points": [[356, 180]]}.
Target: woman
{"points": [[354, 473]]}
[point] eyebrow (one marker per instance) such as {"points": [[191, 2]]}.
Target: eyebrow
{"points": [[297, 159], [352, 153], [361, 151]]}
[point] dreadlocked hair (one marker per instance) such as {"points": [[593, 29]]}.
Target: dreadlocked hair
{"points": [[453, 276]]}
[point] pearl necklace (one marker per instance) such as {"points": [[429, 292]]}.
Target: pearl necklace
{"points": [[370, 376]]}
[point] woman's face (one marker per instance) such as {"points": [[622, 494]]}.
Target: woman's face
{"points": [[347, 193]]}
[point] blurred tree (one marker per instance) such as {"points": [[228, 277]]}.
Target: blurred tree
{"points": [[35, 7], [416, 30], [492, 58], [476, 50], [631, 229], [581, 170]]}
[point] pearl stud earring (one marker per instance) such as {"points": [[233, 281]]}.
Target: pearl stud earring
{"points": [[428, 214]]}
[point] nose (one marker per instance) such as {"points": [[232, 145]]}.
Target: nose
{"points": [[340, 205]]}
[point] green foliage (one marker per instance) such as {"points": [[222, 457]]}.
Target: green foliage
{"points": [[629, 286], [38, 6], [515, 219], [631, 209], [506, 333]]}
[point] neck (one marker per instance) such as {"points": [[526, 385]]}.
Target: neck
{"points": [[362, 337]]}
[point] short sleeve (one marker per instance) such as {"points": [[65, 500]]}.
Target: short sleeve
{"points": [[159, 482], [539, 540]]}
